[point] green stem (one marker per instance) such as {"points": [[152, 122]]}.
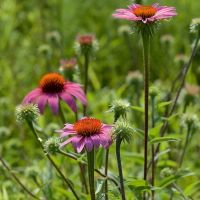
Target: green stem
{"points": [[52, 162], [61, 113], [86, 66], [90, 159], [18, 180], [153, 147], [186, 144], [121, 179], [106, 173], [146, 48]]}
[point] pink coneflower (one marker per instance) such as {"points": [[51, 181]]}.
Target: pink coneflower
{"points": [[87, 132], [52, 88], [67, 64], [146, 14], [86, 39]]}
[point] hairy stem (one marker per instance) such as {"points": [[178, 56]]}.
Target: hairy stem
{"points": [[119, 165], [90, 159], [146, 49], [52, 162], [17, 179], [86, 66]]}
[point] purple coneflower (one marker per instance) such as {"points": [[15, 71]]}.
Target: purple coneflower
{"points": [[87, 132], [146, 14], [52, 88]]}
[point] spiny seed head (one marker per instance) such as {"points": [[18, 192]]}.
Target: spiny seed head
{"points": [[123, 131], [86, 44], [45, 49], [32, 172], [53, 36], [51, 146], [166, 172], [167, 39], [135, 78], [181, 59], [29, 112], [124, 29], [120, 108], [190, 119], [195, 25], [153, 91]]}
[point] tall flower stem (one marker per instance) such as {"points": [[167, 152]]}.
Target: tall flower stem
{"points": [[121, 179], [52, 162], [146, 52], [186, 144], [90, 159], [106, 173], [86, 66], [146, 49], [152, 146], [18, 180]]}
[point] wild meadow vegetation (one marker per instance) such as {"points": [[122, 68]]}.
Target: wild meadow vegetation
{"points": [[99, 103]]}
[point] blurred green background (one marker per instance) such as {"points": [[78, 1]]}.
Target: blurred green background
{"points": [[36, 34]]}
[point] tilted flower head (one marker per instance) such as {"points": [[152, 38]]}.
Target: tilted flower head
{"points": [[86, 44], [28, 112], [52, 88], [120, 108], [52, 145], [87, 132], [195, 25], [145, 14], [123, 131]]}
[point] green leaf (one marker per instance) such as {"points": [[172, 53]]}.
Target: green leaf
{"points": [[137, 108], [99, 158], [192, 188], [163, 104], [94, 79], [163, 139]]}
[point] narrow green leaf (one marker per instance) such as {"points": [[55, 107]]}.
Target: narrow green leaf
{"points": [[163, 104], [163, 139], [137, 108]]}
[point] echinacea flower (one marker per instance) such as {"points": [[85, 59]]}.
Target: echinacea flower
{"points": [[145, 14], [87, 132], [68, 64], [52, 88]]}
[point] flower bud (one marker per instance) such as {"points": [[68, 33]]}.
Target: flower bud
{"points": [[195, 25], [32, 172], [120, 108], [51, 146], [123, 131], [166, 172], [45, 50], [28, 112], [167, 39], [125, 29], [53, 36], [86, 44], [135, 78], [190, 119], [153, 91]]}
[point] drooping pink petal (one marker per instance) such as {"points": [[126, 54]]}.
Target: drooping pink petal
{"points": [[31, 96], [41, 101], [96, 140], [67, 141], [80, 145], [53, 103], [126, 14], [88, 144], [69, 100]]}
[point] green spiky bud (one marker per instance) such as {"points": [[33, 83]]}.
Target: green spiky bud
{"points": [[123, 131], [120, 109], [190, 119], [28, 112], [153, 91], [166, 172], [195, 25], [52, 145]]}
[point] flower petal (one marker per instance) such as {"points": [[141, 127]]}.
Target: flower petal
{"points": [[53, 103], [89, 144], [69, 100], [31, 96], [41, 101]]}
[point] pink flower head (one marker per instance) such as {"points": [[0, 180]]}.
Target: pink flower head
{"points": [[87, 132], [146, 14], [86, 39], [52, 88], [68, 64]]}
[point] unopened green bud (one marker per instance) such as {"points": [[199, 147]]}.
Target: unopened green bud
{"points": [[134, 78], [120, 109], [28, 112], [32, 172], [195, 25], [166, 172], [51, 146], [123, 131], [153, 91], [53, 36], [45, 49], [125, 29], [190, 119]]}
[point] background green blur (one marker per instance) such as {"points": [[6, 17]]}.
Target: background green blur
{"points": [[36, 34]]}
